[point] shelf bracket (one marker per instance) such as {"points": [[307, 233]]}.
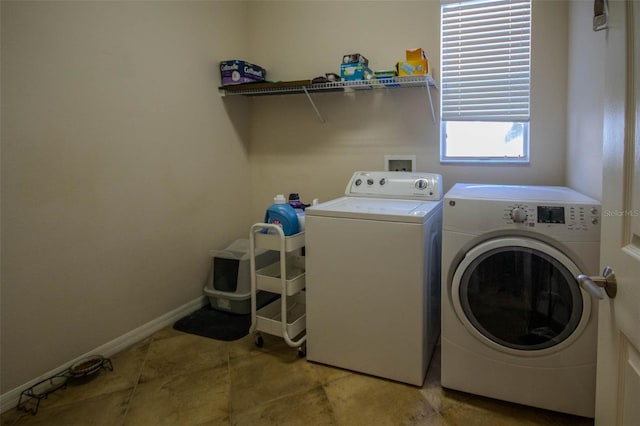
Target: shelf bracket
{"points": [[433, 113], [306, 92]]}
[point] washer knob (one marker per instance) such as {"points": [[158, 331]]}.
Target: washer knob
{"points": [[369, 181], [383, 181], [358, 182], [421, 184], [518, 215]]}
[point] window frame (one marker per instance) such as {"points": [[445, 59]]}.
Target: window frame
{"points": [[459, 111]]}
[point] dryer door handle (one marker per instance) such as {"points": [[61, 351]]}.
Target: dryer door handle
{"points": [[594, 285]]}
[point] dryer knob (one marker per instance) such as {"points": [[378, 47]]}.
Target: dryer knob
{"points": [[518, 215]]}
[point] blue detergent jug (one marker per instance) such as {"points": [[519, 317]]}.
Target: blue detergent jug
{"points": [[282, 214]]}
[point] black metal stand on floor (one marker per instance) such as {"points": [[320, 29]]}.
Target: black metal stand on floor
{"points": [[30, 398]]}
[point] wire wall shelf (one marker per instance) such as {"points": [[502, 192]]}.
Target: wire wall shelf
{"points": [[306, 87]]}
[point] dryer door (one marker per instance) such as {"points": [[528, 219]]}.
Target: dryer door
{"points": [[519, 295]]}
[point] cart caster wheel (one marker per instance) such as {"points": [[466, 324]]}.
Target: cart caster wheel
{"points": [[259, 341], [302, 351]]}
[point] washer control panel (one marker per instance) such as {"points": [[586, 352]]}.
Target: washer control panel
{"points": [[406, 185]]}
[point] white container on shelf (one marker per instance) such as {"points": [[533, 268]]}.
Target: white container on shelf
{"points": [[269, 318], [269, 278], [272, 242]]}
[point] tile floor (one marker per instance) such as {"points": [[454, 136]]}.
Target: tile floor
{"points": [[174, 378]]}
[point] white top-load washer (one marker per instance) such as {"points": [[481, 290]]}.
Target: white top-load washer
{"points": [[373, 273], [516, 325]]}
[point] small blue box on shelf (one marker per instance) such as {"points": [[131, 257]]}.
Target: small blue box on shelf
{"points": [[357, 71]]}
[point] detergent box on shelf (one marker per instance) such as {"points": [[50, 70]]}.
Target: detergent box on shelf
{"points": [[416, 63], [355, 71], [412, 67], [415, 54]]}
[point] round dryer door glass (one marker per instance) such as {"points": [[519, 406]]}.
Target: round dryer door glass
{"points": [[520, 298]]}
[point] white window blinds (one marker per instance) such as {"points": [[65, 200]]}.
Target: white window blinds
{"points": [[486, 48]]}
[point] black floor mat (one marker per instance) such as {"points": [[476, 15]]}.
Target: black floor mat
{"points": [[219, 325]]}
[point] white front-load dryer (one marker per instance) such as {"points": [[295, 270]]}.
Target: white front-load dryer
{"points": [[516, 325]]}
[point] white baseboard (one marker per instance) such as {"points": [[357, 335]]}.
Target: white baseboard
{"points": [[10, 399]]}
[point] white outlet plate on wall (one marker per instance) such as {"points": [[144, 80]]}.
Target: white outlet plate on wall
{"points": [[400, 163]]}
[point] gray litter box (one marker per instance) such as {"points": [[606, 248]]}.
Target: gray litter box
{"points": [[229, 284]]}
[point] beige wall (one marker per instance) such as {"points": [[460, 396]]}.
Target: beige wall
{"points": [[292, 151], [120, 169], [585, 106]]}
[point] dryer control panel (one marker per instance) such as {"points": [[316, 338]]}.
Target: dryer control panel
{"points": [[571, 217], [557, 212], [402, 185]]}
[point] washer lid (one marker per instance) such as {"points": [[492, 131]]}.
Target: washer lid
{"points": [[521, 193], [391, 210]]}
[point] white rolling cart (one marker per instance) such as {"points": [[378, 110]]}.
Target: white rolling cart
{"points": [[286, 316]]}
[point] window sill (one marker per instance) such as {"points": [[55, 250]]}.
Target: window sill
{"points": [[489, 161]]}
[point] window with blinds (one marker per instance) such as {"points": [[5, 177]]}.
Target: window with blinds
{"points": [[485, 88]]}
